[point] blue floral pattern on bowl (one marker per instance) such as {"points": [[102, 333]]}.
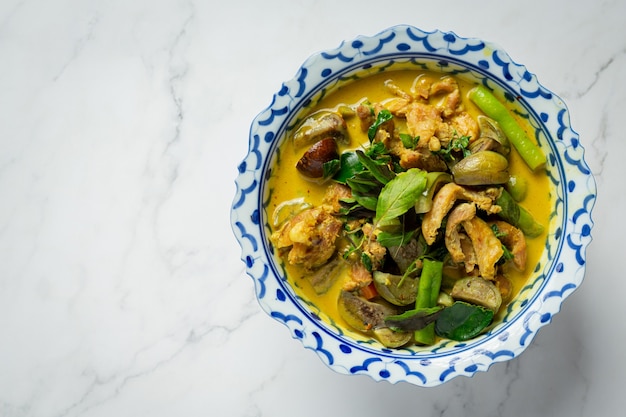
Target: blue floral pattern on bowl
{"points": [[559, 272]]}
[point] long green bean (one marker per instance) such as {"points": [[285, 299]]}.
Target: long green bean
{"points": [[427, 294], [493, 108]]}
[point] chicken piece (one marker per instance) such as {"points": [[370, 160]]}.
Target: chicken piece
{"points": [[421, 87], [397, 106], [366, 116], [445, 199], [487, 246], [310, 237], [444, 85], [470, 259], [419, 157], [372, 248], [459, 214], [422, 121], [359, 277], [422, 159], [514, 240], [465, 125], [461, 124], [397, 91], [460, 244], [334, 194], [451, 102]]}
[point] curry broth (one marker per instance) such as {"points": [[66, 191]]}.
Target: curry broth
{"points": [[287, 184]]}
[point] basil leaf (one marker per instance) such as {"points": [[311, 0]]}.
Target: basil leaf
{"points": [[363, 184], [380, 171], [350, 166], [413, 320], [400, 194], [330, 168], [366, 261], [379, 151], [463, 321], [383, 116], [409, 141], [368, 202], [390, 239]]}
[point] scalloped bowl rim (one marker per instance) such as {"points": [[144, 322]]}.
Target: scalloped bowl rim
{"points": [[571, 223]]}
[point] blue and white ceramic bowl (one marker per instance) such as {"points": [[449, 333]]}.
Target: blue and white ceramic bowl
{"points": [[559, 272]]}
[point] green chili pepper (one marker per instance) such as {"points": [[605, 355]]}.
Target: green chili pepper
{"points": [[518, 216], [492, 107]]}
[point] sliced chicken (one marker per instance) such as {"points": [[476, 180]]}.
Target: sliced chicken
{"points": [[487, 246], [513, 238], [453, 236], [446, 198], [309, 237]]}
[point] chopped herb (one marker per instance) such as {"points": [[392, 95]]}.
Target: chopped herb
{"points": [[497, 231], [409, 141], [458, 144], [366, 261], [378, 150], [382, 117], [506, 253], [379, 170]]}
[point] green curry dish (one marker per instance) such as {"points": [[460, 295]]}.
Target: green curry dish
{"points": [[398, 204]]}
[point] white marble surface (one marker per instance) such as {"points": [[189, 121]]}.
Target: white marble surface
{"points": [[121, 289]]}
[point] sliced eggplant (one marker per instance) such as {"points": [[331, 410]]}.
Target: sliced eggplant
{"points": [[481, 168], [395, 289], [477, 290], [369, 317]]}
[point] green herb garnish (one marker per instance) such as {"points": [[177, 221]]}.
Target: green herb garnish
{"points": [[382, 117], [399, 195], [409, 141], [457, 144]]}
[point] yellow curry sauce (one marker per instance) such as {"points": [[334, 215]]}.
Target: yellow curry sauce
{"points": [[286, 183]]}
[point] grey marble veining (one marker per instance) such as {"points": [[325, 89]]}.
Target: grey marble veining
{"points": [[121, 289]]}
